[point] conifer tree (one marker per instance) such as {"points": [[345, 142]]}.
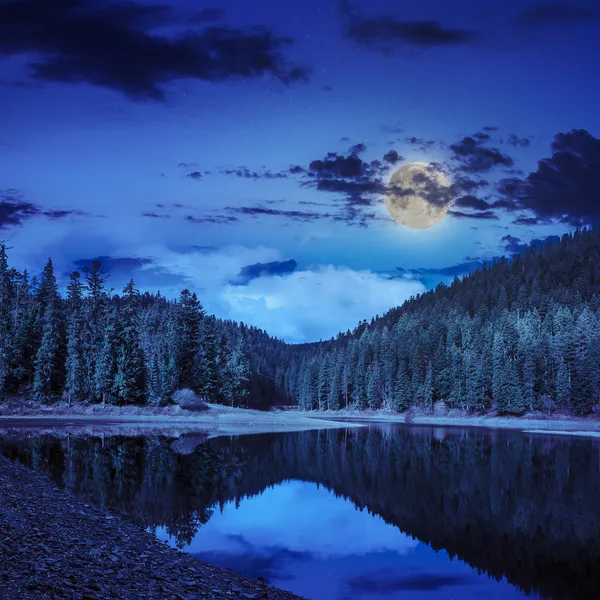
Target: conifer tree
{"points": [[206, 364], [128, 384], [105, 363], [191, 317], [75, 361], [47, 357]]}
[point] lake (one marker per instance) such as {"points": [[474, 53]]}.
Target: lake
{"points": [[377, 513]]}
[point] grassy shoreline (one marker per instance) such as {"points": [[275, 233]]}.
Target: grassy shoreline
{"points": [[218, 420], [225, 420]]}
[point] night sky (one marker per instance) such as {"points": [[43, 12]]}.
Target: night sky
{"points": [[241, 149]]}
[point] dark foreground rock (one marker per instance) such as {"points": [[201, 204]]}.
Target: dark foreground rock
{"points": [[52, 545]]}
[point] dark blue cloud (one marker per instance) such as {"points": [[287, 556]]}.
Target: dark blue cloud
{"points": [[275, 268], [116, 46], [474, 156], [564, 187], [15, 210], [387, 34], [514, 245], [115, 264]]}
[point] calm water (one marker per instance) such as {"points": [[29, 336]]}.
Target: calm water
{"points": [[375, 513]]}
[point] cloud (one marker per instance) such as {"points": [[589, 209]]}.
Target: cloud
{"points": [[294, 215], [516, 141], [323, 526], [482, 215], [246, 173], [392, 157], [195, 175], [557, 14], [115, 264], [474, 156], [565, 186], [514, 245], [153, 215], [360, 182], [431, 277], [357, 149], [116, 46], [471, 202], [308, 305], [424, 145], [530, 221], [386, 33], [14, 210], [213, 219], [145, 271], [465, 185], [271, 269]]}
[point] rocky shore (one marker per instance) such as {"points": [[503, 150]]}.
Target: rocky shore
{"points": [[52, 545]]}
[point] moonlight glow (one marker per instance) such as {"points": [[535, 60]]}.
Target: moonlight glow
{"points": [[418, 195]]}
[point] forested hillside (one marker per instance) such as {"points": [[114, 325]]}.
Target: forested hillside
{"points": [[98, 346], [515, 336]]}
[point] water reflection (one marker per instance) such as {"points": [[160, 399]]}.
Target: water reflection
{"points": [[301, 537], [520, 507]]}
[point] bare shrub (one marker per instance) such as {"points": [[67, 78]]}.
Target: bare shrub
{"points": [[189, 400]]}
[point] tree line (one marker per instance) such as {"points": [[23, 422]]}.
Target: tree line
{"points": [[515, 336], [96, 346]]}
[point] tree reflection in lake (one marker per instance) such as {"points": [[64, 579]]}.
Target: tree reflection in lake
{"points": [[519, 506]]}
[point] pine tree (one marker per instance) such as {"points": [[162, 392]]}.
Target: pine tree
{"points": [[563, 385], [511, 396], [105, 363], [323, 383], [191, 317], [498, 361], [128, 384], [373, 386], [206, 366], [428, 388], [402, 388], [46, 359], [75, 362], [236, 375], [95, 313]]}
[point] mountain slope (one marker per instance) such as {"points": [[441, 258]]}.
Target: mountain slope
{"points": [[515, 336]]}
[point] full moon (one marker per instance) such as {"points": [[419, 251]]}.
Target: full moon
{"points": [[416, 195]]}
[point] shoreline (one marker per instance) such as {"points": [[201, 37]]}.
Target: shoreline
{"points": [[218, 420], [55, 543], [221, 420], [549, 425]]}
